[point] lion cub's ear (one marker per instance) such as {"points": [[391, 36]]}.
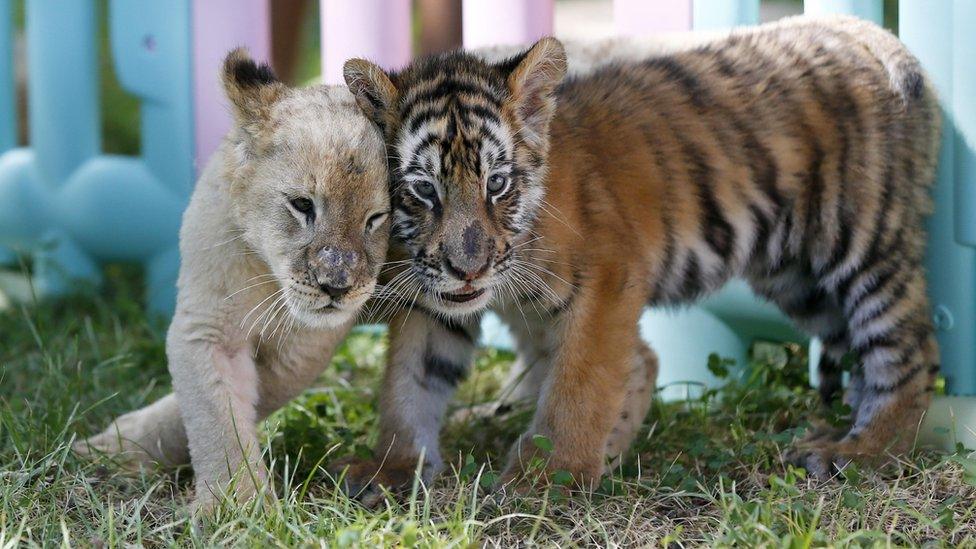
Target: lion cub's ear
{"points": [[252, 89], [532, 77], [373, 88]]}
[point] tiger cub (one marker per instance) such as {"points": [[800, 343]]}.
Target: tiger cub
{"points": [[797, 155]]}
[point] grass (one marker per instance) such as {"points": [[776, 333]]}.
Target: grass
{"points": [[703, 472]]}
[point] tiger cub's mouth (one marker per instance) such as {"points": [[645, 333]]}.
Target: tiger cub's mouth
{"points": [[458, 297]]}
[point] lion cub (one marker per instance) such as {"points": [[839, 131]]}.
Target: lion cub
{"points": [[281, 245]]}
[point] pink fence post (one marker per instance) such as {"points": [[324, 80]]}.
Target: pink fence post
{"points": [[505, 22], [218, 27], [637, 17], [378, 30]]}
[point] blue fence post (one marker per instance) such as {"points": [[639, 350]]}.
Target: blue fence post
{"points": [[940, 34], [64, 113], [64, 126], [66, 203], [8, 95], [722, 14], [936, 33], [151, 48], [8, 92], [872, 10]]}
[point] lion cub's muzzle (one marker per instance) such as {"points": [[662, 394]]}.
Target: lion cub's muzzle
{"points": [[336, 270]]}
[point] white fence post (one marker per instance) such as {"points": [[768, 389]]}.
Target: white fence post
{"points": [[505, 22], [378, 30], [637, 17]]}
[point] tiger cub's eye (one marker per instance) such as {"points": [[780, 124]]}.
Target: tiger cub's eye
{"points": [[425, 190], [497, 184]]}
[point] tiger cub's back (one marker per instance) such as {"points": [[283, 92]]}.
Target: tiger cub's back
{"points": [[813, 138]]}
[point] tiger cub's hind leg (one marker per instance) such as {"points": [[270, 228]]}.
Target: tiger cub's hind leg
{"points": [[898, 359]]}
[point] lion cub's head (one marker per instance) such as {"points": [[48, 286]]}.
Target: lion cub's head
{"points": [[309, 189]]}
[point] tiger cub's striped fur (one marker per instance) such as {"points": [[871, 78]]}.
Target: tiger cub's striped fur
{"points": [[797, 155]]}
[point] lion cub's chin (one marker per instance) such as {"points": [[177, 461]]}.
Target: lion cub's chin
{"points": [[323, 319]]}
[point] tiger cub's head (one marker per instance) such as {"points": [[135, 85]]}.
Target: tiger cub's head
{"points": [[468, 143]]}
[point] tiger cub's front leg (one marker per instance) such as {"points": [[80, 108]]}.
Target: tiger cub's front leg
{"points": [[428, 357], [584, 396]]}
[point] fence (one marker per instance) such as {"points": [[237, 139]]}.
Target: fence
{"points": [[73, 207]]}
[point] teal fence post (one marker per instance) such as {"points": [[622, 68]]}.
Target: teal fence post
{"points": [[151, 49], [722, 14], [872, 10], [936, 32], [8, 93], [64, 201], [65, 130]]}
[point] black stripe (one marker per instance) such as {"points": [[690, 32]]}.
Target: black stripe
{"points": [[717, 231], [472, 112], [423, 116], [449, 87], [899, 383], [815, 188], [814, 302], [691, 286], [428, 141], [449, 372], [886, 340], [894, 296], [675, 72], [573, 293], [830, 373], [760, 158]]}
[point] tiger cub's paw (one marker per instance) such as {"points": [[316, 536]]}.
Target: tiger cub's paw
{"points": [[822, 463], [369, 480], [820, 453], [533, 465]]}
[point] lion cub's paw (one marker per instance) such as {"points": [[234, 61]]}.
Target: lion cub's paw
{"points": [[127, 453]]}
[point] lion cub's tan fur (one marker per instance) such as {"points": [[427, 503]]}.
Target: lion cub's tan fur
{"points": [[248, 333]]}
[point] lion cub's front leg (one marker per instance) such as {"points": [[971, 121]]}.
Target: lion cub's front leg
{"points": [[583, 397], [216, 385]]}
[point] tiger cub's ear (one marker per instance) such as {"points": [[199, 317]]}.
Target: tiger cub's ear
{"points": [[252, 89], [532, 77], [373, 89]]}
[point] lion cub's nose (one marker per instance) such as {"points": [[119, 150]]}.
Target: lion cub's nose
{"points": [[335, 292], [334, 269]]}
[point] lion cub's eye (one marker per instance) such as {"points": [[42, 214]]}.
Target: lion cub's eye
{"points": [[375, 221], [497, 185], [304, 206]]}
